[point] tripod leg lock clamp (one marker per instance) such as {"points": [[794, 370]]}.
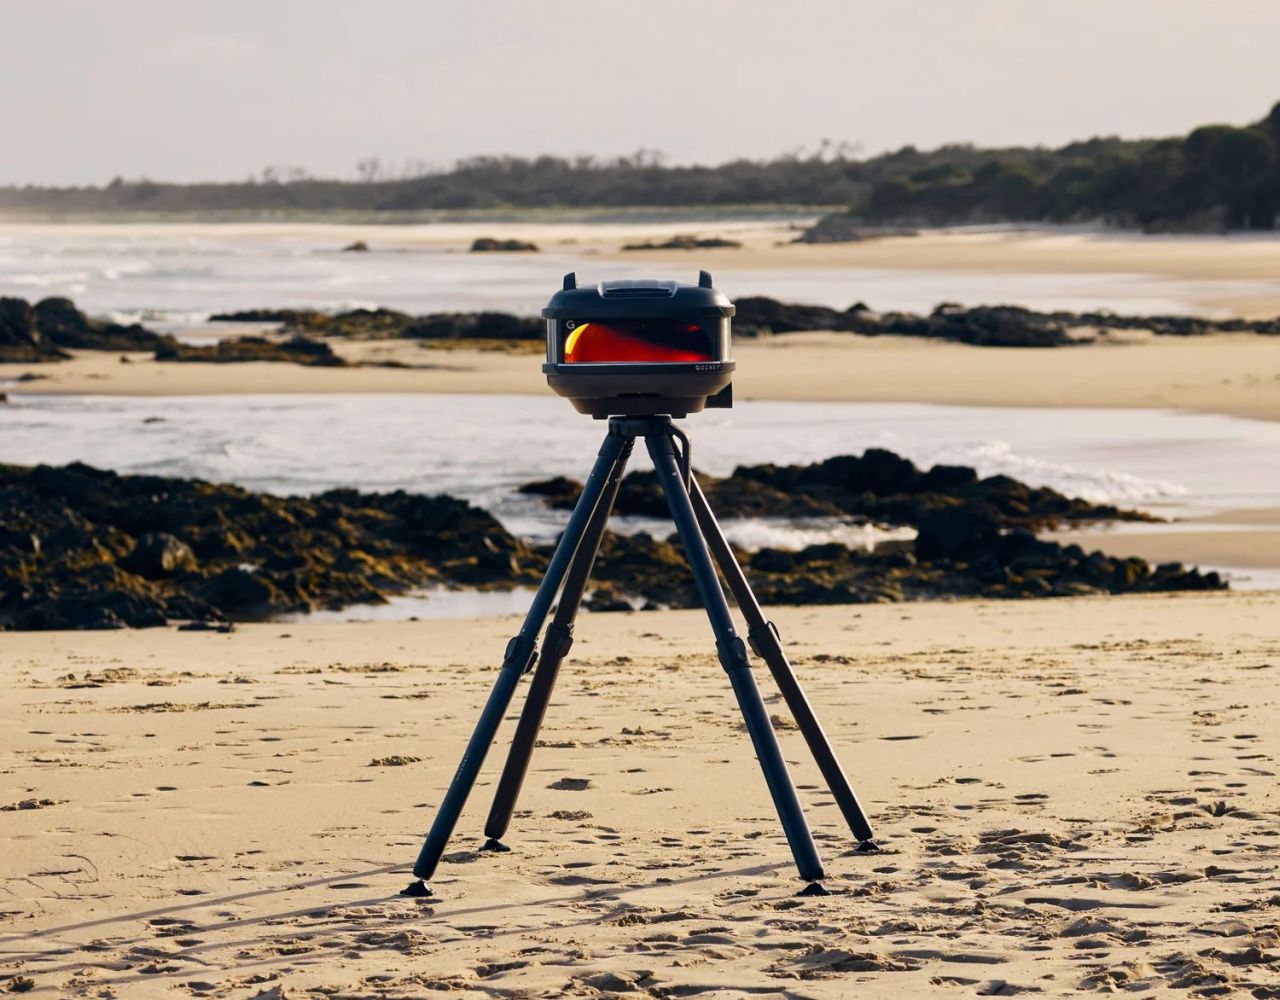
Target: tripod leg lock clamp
{"points": [[520, 654], [558, 641], [733, 655], [765, 633]]}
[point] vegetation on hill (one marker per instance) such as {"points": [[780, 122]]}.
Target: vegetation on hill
{"points": [[1216, 177]]}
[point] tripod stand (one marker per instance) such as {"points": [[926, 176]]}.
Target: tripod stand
{"points": [[571, 565]]}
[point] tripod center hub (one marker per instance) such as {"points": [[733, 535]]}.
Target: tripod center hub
{"points": [[635, 427]]}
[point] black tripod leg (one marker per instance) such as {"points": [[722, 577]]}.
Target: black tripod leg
{"points": [[518, 659], [733, 657], [763, 636], [555, 646]]}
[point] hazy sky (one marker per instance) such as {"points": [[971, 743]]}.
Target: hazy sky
{"points": [[186, 90]]}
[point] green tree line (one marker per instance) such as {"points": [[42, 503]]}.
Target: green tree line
{"points": [[1216, 177]]}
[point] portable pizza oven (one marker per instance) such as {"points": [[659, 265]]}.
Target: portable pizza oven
{"points": [[638, 347]]}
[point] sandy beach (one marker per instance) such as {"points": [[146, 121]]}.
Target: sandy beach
{"points": [[1072, 795]]}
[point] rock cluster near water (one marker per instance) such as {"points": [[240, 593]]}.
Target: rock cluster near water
{"points": [[975, 537], [638, 570], [390, 324], [488, 244], [47, 330], [298, 350], [84, 548], [877, 486], [683, 242], [984, 326]]}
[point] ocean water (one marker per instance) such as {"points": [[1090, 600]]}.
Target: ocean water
{"points": [[482, 446], [173, 275]]}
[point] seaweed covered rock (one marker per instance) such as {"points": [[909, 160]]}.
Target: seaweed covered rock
{"points": [[487, 244], [558, 492], [957, 530], [20, 339], [158, 554], [391, 324], [357, 324], [686, 242], [982, 326], [67, 326], [651, 570], [475, 326], [975, 537], [1007, 565], [882, 486], [47, 330], [878, 485], [285, 317], [756, 314], [297, 350], [85, 548]]}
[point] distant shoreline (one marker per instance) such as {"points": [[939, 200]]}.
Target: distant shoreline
{"points": [[630, 214], [797, 214]]}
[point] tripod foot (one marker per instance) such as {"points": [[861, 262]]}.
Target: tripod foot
{"points": [[495, 845], [867, 847], [814, 889], [417, 888]]}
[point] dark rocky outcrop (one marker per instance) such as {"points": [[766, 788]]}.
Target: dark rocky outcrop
{"points": [[983, 326], [158, 554], [682, 242], [974, 538], [476, 326], [878, 486], [390, 324], [67, 326], [358, 246], [20, 339], [298, 350], [487, 244], [357, 324], [639, 570], [286, 317], [84, 548], [47, 330]]}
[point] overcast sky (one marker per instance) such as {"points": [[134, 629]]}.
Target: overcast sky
{"points": [[186, 90]]}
